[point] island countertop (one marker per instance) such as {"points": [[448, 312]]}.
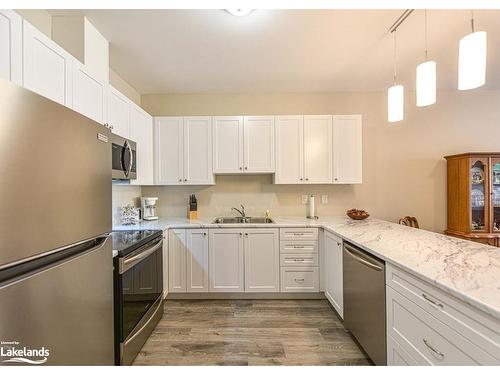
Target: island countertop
{"points": [[467, 270]]}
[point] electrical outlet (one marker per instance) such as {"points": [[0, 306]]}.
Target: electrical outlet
{"points": [[305, 199], [324, 199]]}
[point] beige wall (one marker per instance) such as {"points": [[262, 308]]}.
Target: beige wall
{"points": [[403, 167], [39, 18], [124, 195], [124, 87]]}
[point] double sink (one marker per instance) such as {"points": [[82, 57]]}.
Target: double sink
{"points": [[242, 220]]}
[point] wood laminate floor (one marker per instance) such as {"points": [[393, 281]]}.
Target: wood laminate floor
{"points": [[250, 332]]}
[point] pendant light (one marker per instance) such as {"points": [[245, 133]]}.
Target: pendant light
{"points": [[472, 59], [395, 95], [426, 78]]}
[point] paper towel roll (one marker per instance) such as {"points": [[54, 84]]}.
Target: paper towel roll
{"points": [[310, 208]]}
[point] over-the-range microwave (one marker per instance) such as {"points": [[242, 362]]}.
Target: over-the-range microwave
{"points": [[124, 161]]}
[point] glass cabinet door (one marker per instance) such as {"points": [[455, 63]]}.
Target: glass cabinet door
{"points": [[495, 194], [478, 198]]}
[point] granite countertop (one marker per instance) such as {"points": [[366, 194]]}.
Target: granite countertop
{"points": [[467, 270]]}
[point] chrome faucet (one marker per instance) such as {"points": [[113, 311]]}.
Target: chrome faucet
{"points": [[241, 212]]}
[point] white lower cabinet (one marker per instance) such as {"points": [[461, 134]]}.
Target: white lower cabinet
{"points": [[334, 272], [165, 263], [197, 260], [299, 279], [177, 261], [261, 247], [226, 265]]}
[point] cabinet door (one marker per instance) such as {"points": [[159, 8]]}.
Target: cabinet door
{"points": [[47, 68], [169, 140], [198, 151], [177, 261], [334, 289], [141, 131], [262, 260], [88, 93], [347, 149], [289, 149], [197, 260], [165, 263], [228, 144], [118, 112], [258, 144], [11, 46], [318, 150], [226, 260]]}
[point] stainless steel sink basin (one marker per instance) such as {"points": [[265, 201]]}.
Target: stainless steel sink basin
{"points": [[242, 220]]}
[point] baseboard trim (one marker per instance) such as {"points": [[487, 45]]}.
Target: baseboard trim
{"points": [[245, 296]]}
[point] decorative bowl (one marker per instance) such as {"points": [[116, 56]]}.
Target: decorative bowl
{"points": [[356, 214]]}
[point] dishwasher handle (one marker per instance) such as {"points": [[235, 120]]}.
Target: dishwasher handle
{"points": [[356, 255]]}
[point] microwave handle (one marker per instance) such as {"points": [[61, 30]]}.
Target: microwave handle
{"points": [[128, 169]]}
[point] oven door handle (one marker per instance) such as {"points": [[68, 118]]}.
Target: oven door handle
{"points": [[128, 263]]}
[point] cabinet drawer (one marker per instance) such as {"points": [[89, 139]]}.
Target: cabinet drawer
{"points": [[298, 247], [428, 340], [294, 260], [478, 327], [299, 234], [295, 279]]}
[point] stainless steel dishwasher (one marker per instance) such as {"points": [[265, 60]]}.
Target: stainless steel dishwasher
{"points": [[364, 301]]}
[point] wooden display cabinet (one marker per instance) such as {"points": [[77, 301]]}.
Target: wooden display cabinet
{"points": [[474, 197]]}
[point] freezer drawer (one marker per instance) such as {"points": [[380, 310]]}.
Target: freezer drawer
{"points": [[66, 307]]}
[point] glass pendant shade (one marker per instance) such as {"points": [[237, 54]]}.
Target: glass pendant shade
{"points": [[395, 103], [472, 61], [426, 83]]}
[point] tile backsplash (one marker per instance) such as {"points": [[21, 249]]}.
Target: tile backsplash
{"points": [[122, 195]]}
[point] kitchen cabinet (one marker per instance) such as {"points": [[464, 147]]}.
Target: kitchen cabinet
{"points": [[304, 150], [243, 144], [47, 68], [261, 248], [177, 261], [165, 263], [141, 131], [197, 260], [183, 151], [88, 94], [226, 265], [347, 149], [333, 272], [11, 46], [118, 112]]}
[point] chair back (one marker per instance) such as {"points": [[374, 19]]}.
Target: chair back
{"points": [[409, 221]]}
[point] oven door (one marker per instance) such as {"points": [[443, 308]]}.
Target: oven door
{"points": [[141, 289], [124, 160]]}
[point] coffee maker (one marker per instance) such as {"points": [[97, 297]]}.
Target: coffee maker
{"points": [[148, 208]]}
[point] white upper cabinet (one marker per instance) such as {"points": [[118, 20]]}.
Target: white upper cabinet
{"points": [[318, 149], [258, 144], [183, 151], [228, 144], [141, 131], [289, 149], [168, 149], [11, 46], [198, 151], [262, 260], [243, 144], [347, 149], [118, 112], [88, 94], [47, 68]]}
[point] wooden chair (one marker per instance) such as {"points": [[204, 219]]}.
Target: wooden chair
{"points": [[409, 221]]}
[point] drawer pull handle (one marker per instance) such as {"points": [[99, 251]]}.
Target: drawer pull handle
{"points": [[298, 247], [299, 259], [438, 304], [298, 234], [299, 280], [435, 351]]}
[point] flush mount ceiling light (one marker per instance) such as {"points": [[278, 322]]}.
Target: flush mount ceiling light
{"points": [[472, 59], [395, 95], [240, 12], [426, 78]]}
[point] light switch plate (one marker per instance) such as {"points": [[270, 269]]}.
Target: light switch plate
{"points": [[305, 198], [324, 199]]}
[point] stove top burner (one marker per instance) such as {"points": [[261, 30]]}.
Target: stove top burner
{"points": [[126, 241]]}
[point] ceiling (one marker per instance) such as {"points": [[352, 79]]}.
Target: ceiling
{"points": [[210, 51]]}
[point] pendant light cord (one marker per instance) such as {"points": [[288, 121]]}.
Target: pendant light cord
{"points": [[472, 19], [395, 57], [425, 22]]}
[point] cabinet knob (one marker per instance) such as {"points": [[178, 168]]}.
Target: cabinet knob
{"points": [[185, 179], [246, 168], [336, 179], [204, 234], [246, 234], [307, 179], [301, 179], [241, 168], [180, 179], [241, 234]]}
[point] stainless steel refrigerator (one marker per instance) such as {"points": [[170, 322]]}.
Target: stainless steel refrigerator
{"points": [[56, 269]]}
